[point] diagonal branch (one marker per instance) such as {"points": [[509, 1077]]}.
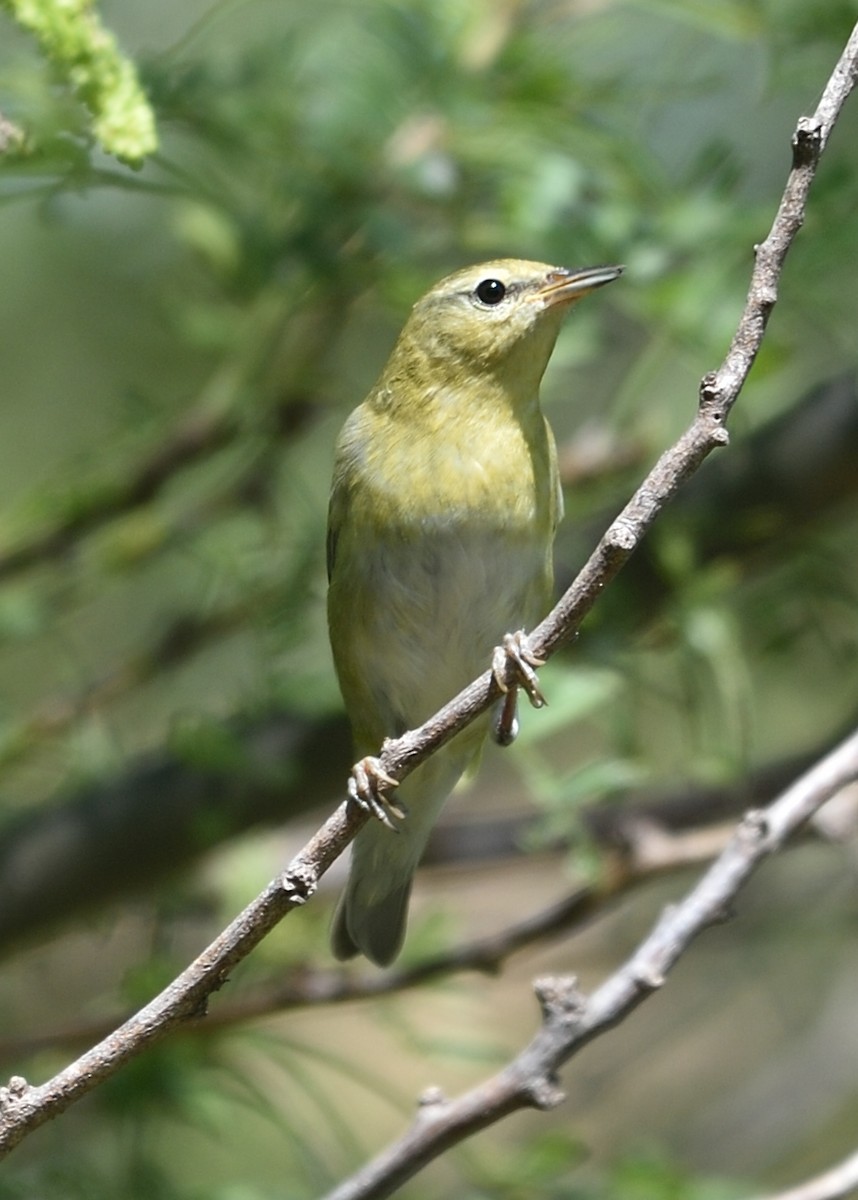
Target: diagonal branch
{"points": [[637, 845], [23, 1108], [649, 852], [571, 1020]]}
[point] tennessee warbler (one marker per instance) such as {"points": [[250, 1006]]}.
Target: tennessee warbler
{"points": [[443, 508]]}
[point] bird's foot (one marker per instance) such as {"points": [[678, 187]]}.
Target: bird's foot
{"points": [[368, 786], [515, 648]]}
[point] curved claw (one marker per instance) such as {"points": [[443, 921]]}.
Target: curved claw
{"points": [[367, 785], [516, 649]]}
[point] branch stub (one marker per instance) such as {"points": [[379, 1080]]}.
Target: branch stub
{"points": [[431, 1100], [560, 999], [806, 142], [299, 884], [545, 1093]]}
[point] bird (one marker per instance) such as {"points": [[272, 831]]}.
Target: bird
{"points": [[444, 502]]}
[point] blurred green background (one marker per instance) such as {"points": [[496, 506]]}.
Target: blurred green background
{"points": [[179, 346]]}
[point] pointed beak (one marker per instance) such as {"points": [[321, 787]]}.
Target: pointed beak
{"points": [[565, 287]]}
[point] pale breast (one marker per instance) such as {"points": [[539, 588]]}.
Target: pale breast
{"points": [[441, 546], [426, 614]]}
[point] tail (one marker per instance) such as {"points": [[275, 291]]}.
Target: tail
{"points": [[373, 911], [375, 926]]}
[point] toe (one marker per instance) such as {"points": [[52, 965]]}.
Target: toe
{"points": [[368, 786], [516, 649]]}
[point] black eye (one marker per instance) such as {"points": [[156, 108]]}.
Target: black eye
{"points": [[490, 291]]}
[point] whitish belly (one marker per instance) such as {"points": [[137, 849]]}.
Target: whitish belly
{"points": [[431, 616]]}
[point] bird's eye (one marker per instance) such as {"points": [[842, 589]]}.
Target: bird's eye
{"points": [[490, 291]]}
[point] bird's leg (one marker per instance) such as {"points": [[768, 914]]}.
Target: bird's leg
{"points": [[367, 786], [505, 728], [515, 648]]}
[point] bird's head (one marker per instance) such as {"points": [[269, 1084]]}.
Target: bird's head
{"points": [[499, 317]]}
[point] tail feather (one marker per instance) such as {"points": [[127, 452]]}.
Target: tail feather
{"points": [[374, 929], [373, 910]]}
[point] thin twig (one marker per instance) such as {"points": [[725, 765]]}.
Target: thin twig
{"points": [[24, 1108]]}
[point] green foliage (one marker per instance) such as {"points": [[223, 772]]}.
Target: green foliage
{"points": [[554, 1166], [181, 343], [651, 1177], [546, 1166], [86, 55]]}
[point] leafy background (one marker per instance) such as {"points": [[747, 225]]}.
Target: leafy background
{"points": [[180, 345]]}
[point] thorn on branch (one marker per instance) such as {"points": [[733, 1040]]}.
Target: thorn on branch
{"points": [[806, 142]]}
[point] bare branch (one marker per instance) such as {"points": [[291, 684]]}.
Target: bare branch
{"points": [[570, 1020], [106, 840], [109, 842], [648, 851], [24, 1108], [638, 846]]}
